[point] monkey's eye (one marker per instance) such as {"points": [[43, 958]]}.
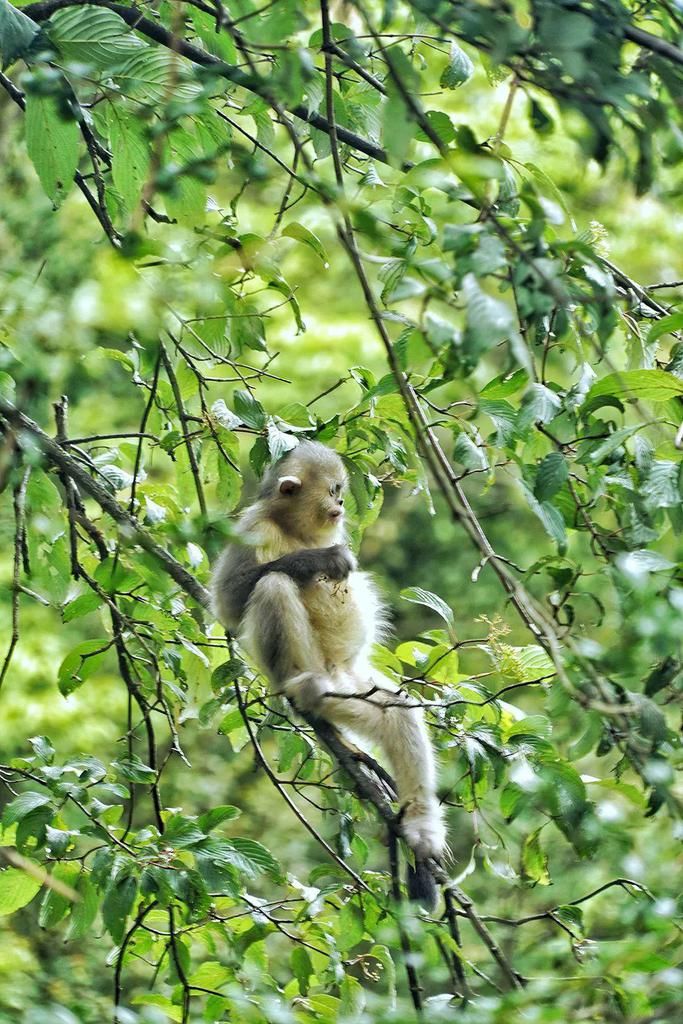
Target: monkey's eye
{"points": [[332, 489]]}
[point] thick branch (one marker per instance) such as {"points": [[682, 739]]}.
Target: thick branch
{"points": [[654, 44], [253, 83]]}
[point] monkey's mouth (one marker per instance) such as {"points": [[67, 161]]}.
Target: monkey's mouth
{"points": [[335, 514]]}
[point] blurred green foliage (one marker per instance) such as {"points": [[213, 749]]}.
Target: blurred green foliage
{"points": [[223, 228]]}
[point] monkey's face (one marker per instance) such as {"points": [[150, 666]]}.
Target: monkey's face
{"points": [[311, 505]]}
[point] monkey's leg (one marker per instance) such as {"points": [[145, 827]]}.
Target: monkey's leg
{"points": [[391, 720], [276, 629]]}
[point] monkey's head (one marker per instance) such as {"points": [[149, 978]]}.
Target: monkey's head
{"points": [[305, 490]]}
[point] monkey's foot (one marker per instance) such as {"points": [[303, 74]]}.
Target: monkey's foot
{"points": [[306, 691], [423, 829]]}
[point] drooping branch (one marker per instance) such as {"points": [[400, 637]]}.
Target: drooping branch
{"points": [[98, 209], [58, 457]]}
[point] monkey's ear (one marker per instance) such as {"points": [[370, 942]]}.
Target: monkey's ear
{"points": [[289, 485]]}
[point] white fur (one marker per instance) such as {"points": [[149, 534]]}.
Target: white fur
{"points": [[331, 627]]}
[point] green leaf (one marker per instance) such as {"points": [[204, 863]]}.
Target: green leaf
{"points": [[23, 805], [216, 816], [90, 35], [440, 123], [84, 912], [149, 74], [211, 974], [551, 474], [81, 605], [662, 675], [246, 330], [572, 916], [668, 324], [550, 517], [133, 769], [384, 958], [131, 153], [547, 185], [218, 43], [279, 443], [661, 488], [52, 142], [181, 832], [488, 321], [249, 410], [651, 385], [17, 32], [169, 1009], [17, 888], [471, 455], [55, 904], [351, 926], [42, 748], [504, 385], [302, 968], [541, 122], [458, 69], [8, 388], [534, 861], [302, 234], [80, 663], [256, 855], [597, 452], [227, 673], [416, 595], [398, 124], [117, 904], [525, 664], [539, 405]]}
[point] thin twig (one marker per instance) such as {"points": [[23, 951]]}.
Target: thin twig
{"points": [[19, 502]]}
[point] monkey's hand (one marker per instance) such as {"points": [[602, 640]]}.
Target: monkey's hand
{"points": [[339, 562], [303, 566]]}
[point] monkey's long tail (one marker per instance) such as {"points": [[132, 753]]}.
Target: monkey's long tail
{"points": [[422, 885]]}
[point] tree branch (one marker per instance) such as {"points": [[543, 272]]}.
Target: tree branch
{"points": [[251, 82], [56, 455]]}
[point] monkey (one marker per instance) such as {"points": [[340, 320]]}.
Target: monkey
{"points": [[292, 590]]}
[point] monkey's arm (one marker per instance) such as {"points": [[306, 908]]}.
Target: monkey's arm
{"points": [[239, 572]]}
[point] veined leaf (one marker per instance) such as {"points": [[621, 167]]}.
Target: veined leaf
{"points": [[23, 805], [552, 473], [80, 662], [130, 153], [17, 888], [471, 455], [534, 861], [489, 320], [458, 69], [52, 144], [249, 410], [118, 903], [94, 36], [673, 322], [151, 76], [302, 234], [650, 385], [416, 595]]}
